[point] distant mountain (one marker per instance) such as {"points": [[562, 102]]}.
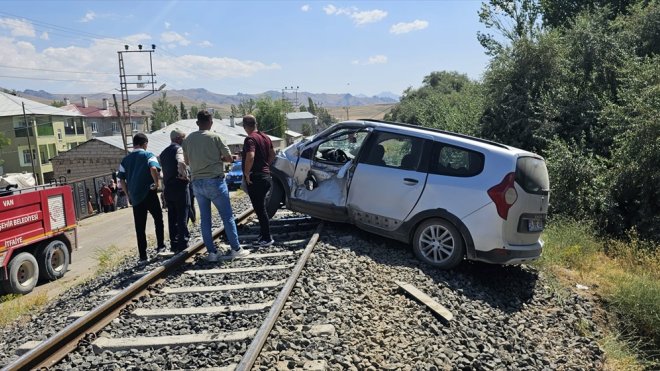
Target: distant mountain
{"points": [[390, 95], [201, 95]]}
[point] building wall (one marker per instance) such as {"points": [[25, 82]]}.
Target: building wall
{"points": [[44, 147], [297, 125], [104, 126], [89, 159]]}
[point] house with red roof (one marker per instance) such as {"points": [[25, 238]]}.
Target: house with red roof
{"points": [[103, 121]]}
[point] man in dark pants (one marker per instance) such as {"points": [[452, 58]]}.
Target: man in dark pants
{"points": [[258, 154], [177, 196], [138, 174]]}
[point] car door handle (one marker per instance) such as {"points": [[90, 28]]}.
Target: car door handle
{"points": [[410, 181]]}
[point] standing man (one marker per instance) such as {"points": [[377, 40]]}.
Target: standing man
{"points": [[177, 197], [204, 151], [258, 154], [138, 175]]}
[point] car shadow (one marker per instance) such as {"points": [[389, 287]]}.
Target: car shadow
{"points": [[506, 288]]}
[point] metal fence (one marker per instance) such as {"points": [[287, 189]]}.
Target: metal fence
{"points": [[86, 194]]}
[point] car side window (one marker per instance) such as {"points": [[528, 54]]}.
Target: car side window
{"points": [[455, 161], [395, 150]]}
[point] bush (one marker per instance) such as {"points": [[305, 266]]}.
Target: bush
{"points": [[578, 182]]}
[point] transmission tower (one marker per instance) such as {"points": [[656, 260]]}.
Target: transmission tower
{"points": [[143, 82], [294, 91]]}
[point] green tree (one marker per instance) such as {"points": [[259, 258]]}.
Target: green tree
{"points": [[183, 111], [58, 103], [163, 112], [270, 115], [446, 100], [203, 106], [513, 20], [217, 115], [193, 111]]}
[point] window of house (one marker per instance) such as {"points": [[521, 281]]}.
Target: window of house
{"points": [[115, 127], [21, 129], [80, 126], [134, 126], [59, 135], [25, 158], [95, 127], [43, 152], [69, 126], [45, 125]]}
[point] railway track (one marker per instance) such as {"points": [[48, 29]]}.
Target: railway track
{"points": [[233, 305]]}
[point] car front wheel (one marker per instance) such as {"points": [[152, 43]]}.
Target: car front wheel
{"points": [[437, 242]]}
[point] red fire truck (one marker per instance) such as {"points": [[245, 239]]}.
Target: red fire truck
{"points": [[37, 235]]}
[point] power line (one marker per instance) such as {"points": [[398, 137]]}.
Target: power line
{"points": [[63, 71], [44, 78]]}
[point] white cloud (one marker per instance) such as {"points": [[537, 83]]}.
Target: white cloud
{"points": [[18, 27], [205, 44], [359, 17], [330, 9], [167, 25], [370, 16], [173, 38], [100, 57], [377, 59], [44, 36], [305, 8], [402, 27], [89, 16]]}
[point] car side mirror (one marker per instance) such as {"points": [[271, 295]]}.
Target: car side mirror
{"points": [[310, 182]]}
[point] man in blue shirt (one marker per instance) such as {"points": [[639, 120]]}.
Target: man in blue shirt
{"points": [[139, 177]]}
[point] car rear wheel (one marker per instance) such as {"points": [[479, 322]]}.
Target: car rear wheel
{"points": [[23, 274], [437, 242], [53, 260]]}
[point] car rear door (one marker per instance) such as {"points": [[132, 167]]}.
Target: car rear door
{"points": [[388, 180]]}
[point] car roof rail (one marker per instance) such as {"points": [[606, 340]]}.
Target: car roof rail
{"points": [[439, 131]]}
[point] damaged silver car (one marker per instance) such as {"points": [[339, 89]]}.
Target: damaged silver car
{"points": [[451, 196]]}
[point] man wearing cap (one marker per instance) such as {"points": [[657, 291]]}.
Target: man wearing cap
{"points": [[177, 197], [139, 177]]}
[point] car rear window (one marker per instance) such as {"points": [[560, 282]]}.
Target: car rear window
{"points": [[532, 175]]}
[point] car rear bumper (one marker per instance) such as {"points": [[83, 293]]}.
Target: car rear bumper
{"points": [[511, 254]]}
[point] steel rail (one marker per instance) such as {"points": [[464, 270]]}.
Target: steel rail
{"points": [[262, 334], [59, 345]]}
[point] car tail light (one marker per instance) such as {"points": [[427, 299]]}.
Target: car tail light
{"points": [[504, 195]]}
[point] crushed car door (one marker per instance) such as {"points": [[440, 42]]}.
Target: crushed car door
{"points": [[388, 180], [323, 173]]}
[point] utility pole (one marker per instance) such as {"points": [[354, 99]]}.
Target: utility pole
{"points": [[27, 129], [290, 90], [143, 82]]}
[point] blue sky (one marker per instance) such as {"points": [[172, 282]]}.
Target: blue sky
{"points": [[227, 47]]}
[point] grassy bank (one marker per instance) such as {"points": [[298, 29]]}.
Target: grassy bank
{"points": [[625, 275]]}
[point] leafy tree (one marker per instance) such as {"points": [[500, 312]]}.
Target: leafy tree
{"points": [[302, 108], [446, 100], [579, 181], [58, 103], [560, 13], [163, 112], [514, 20], [270, 115], [184, 112], [635, 172], [217, 115], [203, 106], [193, 111]]}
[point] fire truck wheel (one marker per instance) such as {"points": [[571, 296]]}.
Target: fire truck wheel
{"points": [[23, 274], [53, 260]]}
